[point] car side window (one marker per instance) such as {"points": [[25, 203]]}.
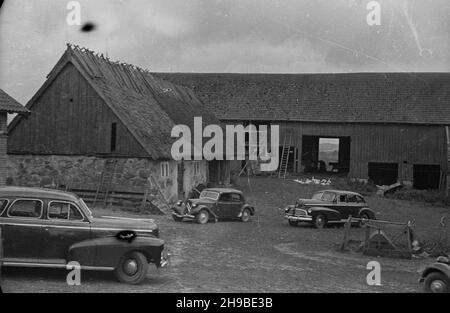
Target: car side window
{"points": [[26, 209], [63, 211], [3, 205], [342, 198], [352, 199], [226, 197], [360, 199], [236, 197]]}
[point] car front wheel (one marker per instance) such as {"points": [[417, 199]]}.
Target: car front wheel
{"points": [[293, 223], [203, 217], [437, 283], [320, 221], [177, 218], [132, 268]]}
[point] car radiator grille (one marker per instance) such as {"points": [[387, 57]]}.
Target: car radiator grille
{"points": [[300, 212]]}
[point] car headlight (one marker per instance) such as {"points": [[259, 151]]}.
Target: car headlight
{"points": [[309, 211], [179, 203], [195, 205]]}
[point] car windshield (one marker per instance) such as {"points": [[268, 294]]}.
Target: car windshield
{"points": [[317, 196], [209, 195], [86, 208]]}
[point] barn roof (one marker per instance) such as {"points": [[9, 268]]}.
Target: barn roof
{"points": [[9, 105], [147, 105], [357, 97]]}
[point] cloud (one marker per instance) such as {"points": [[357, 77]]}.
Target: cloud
{"points": [[225, 36]]}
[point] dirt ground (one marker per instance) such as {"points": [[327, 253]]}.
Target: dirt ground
{"points": [[264, 255]]}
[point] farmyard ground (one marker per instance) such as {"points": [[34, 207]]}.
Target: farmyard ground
{"points": [[265, 255]]}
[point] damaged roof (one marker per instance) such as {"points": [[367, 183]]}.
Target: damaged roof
{"points": [[9, 105], [147, 105], [417, 98]]}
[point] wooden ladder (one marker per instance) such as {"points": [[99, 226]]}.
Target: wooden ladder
{"points": [[106, 181], [282, 171]]}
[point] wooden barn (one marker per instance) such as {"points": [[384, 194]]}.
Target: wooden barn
{"points": [[105, 126], [385, 127], [8, 105]]}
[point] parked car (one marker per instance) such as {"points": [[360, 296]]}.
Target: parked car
{"points": [[327, 207], [436, 277], [214, 204], [49, 228]]}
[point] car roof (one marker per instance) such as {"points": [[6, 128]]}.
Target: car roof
{"points": [[28, 192], [223, 190], [341, 192]]}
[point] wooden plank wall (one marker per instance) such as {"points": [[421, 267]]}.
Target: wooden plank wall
{"points": [[70, 118], [391, 143]]}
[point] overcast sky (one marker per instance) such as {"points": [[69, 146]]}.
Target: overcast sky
{"points": [[272, 36]]}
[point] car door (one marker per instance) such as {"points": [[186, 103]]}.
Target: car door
{"points": [[237, 202], [353, 205], [225, 205], [341, 206], [21, 223], [65, 225]]}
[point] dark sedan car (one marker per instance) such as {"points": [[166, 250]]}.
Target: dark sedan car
{"points": [[214, 204], [327, 207], [48, 228]]}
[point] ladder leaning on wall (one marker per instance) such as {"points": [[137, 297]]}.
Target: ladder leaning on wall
{"points": [[106, 182], [285, 153]]}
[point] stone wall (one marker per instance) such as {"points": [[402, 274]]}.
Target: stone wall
{"points": [[81, 172]]}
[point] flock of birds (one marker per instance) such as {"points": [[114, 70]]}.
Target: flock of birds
{"points": [[313, 181]]}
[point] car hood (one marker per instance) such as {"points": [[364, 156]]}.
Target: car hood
{"points": [[117, 224], [313, 202]]}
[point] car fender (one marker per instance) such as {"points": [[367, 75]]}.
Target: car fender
{"points": [[107, 251], [203, 207], [330, 214], [369, 212], [437, 267]]}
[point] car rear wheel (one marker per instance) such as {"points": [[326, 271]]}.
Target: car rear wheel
{"points": [[203, 217], [437, 282], [363, 217], [320, 221], [132, 268], [293, 223], [245, 217]]}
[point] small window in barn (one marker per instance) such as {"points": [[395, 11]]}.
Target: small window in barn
{"points": [[165, 169], [196, 168], [426, 176], [383, 173], [113, 136]]}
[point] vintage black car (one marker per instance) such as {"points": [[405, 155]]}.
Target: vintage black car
{"points": [[214, 204], [49, 228], [327, 207]]}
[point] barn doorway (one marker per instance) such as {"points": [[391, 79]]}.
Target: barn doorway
{"points": [[383, 173], [426, 176], [321, 154]]}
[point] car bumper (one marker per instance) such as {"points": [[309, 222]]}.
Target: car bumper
{"points": [[189, 216], [298, 218]]}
